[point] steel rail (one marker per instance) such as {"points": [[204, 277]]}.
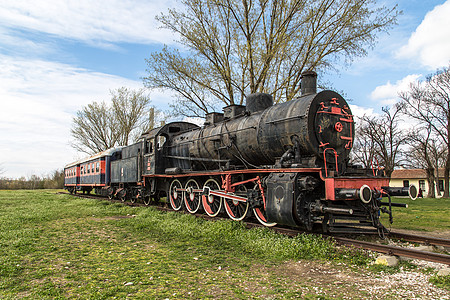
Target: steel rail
{"points": [[420, 239], [397, 251]]}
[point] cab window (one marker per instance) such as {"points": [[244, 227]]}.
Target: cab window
{"points": [[150, 146], [161, 141]]}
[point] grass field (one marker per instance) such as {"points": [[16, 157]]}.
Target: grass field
{"points": [[422, 214], [57, 246]]}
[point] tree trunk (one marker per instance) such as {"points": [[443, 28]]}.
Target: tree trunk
{"points": [[446, 178], [431, 179], [438, 189]]}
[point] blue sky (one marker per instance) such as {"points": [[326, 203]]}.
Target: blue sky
{"points": [[57, 56]]}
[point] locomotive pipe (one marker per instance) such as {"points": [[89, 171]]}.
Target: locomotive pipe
{"points": [[333, 210], [394, 204], [410, 191]]}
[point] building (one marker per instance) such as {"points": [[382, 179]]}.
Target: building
{"points": [[418, 177]]}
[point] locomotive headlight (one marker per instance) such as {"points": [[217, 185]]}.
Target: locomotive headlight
{"points": [[365, 194]]}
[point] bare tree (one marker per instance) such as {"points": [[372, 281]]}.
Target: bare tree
{"points": [[429, 103], [421, 155], [386, 138], [93, 129], [132, 113], [438, 153], [363, 151], [99, 126], [233, 48]]}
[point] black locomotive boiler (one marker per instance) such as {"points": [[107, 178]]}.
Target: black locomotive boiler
{"points": [[286, 163]]}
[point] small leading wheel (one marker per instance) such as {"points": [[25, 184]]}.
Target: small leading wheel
{"points": [[146, 200], [175, 195], [236, 209], [192, 196], [212, 204], [123, 196], [134, 197], [260, 213]]}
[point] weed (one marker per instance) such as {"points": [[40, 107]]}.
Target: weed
{"points": [[441, 281]]}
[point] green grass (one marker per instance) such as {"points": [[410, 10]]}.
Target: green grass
{"points": [[441, 281], [424, 214], [58, 246]]}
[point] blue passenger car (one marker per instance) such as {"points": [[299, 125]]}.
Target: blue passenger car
{"points": [[90, 173]]}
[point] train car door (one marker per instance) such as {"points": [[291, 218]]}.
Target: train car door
{"points": [[149, 157]]}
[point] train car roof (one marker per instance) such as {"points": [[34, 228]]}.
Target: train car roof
{"points": [[108, 152]]}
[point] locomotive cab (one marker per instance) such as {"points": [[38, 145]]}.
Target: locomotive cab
{"points": [[159, 155]]}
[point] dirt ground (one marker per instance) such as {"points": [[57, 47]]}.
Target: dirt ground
{"points": [[333, 281]]}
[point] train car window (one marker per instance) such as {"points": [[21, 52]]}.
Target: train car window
{"points": [[82, 170], [89, 169], [405, 183], [98, 167]]}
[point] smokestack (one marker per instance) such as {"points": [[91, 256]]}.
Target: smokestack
{"points": [[309, 82]]}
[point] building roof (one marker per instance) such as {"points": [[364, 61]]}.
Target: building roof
{"points": [[412, 174]]}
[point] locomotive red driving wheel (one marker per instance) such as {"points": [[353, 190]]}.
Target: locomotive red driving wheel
{"points": [[192, 196], [211, 204], [237, 210], [175, 194], [260, 212]]}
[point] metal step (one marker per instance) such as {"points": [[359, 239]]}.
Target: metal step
{"points": [[351, 224]]}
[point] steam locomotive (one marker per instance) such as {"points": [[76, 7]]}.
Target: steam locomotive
{"points": [[286, 164]]}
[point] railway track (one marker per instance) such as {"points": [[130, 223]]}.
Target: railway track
{"points": [[421, 239], [387, 249]]}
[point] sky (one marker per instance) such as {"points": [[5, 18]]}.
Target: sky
{"points": [[58, 56]]}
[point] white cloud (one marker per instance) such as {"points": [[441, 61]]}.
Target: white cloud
{"points": [[387, 94], [430, 43], [38, 100], [359, 111], [90, 21]]}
